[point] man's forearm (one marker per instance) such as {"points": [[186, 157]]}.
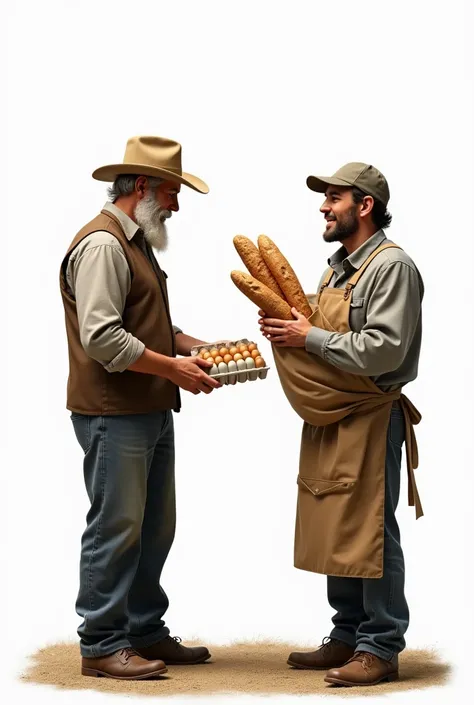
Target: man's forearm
{"points": [[184, 343], [153, 363]]}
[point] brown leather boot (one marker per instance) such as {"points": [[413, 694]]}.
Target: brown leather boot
{"points": [[330, 654], [124, 665], [173, 653], [364, 669]]}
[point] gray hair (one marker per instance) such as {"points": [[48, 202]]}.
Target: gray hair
{"points": [[124, 185]]}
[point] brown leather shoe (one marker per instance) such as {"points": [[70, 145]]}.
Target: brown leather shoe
{"points": [[330, 654], [173, 653], [364, 669], [125, 665]]}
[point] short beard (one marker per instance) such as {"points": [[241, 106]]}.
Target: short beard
{"points": [[344, 228], [151, 219]]}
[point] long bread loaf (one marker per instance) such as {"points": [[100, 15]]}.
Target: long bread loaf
{"points": [[253, 260], [285, 275], [262, 296]]}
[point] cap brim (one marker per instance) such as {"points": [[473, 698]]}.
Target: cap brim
{"points": [[320, 183], [111, 171]]}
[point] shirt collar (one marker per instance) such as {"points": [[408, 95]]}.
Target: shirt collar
{"points": [[358, 257], [129, 226]]}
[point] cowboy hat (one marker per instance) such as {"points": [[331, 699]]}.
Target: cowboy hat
{"points": [[152, 156]]}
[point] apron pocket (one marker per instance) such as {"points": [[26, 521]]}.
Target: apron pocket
{"points": [[319, 487]]}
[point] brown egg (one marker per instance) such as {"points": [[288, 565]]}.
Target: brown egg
{"points": [[228, 358], [259, 362], [245, 354], [202, 351], [214, 352], [243, 348], [223, 352], [206, 355], [252, 347], [237, 356], [218, 359], [255, 353], [233, 351]]}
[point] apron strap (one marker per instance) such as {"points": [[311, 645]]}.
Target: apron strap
{"points": [[412, 416], [357, 275], [325, 283]]}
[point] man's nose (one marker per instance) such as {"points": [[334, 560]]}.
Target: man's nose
{"points": [[325, 208], [174, 206]]}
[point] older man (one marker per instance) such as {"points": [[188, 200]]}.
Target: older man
{"points": [[124, 380], [371, 297]]}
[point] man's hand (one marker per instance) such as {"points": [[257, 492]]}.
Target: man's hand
{"points": [[186, 372], [290, 334]]}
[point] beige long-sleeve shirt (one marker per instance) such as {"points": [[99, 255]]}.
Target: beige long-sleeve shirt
{"points": [[385, 316], [98, 277]]}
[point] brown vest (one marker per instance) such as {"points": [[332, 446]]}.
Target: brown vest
{"points": [[93, 390]]}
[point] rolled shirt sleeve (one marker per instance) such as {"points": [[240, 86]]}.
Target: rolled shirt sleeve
{"points": [[392, 315], [100, 279]]}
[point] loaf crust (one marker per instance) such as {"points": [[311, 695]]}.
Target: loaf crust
{"points": [[285, 275], [262, 296], [253, 260]]}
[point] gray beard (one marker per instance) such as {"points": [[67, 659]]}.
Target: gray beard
{"points": [[151, 219]]}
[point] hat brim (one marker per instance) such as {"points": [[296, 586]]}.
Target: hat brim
{"points": [[111, 171], [320, 183]]}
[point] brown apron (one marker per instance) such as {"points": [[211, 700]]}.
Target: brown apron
{"points": [[341, 480]]}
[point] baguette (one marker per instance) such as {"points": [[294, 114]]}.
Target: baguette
{"points": [[262, 296], [285, 276], [253, 260]]}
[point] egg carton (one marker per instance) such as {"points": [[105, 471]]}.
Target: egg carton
{"points": [[226, 376]]}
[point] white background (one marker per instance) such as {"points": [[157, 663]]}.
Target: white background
{"points": [[260, 95]]}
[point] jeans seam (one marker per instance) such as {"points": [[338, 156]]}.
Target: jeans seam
{"points": [[99, 524]]}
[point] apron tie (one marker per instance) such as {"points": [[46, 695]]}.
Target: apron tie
{"points": [[412, 416]]}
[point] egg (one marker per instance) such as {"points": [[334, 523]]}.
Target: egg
{"points": [[232, 367], [206, 355], [243, 348], [255, 353], [259, 362], [202, 351], [223, 352], [250, 363], [252, 347], [214, 352], [228, 358], [218, 359], [233, 351], [245, 354], [241, 366], [237, 356], [223, 370], [213, 371]]}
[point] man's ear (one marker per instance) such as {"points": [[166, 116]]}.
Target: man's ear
{"points": [[140, 186], [367, 206]]}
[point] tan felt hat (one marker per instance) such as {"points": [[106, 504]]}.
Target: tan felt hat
{"points": [[152, 156], [364, 176]]}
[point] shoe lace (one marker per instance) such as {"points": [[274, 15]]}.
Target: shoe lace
{"points": [[327, 643], [128, 652], [365, 658]]}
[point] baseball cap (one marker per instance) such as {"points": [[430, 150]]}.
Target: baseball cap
{"points": [[364, 176]]}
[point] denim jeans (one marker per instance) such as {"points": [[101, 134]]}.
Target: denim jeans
{"points": [[129, 477], [372, 613]]}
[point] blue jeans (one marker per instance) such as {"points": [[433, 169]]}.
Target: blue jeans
{"points": [[129, 476], [372, 613]]}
